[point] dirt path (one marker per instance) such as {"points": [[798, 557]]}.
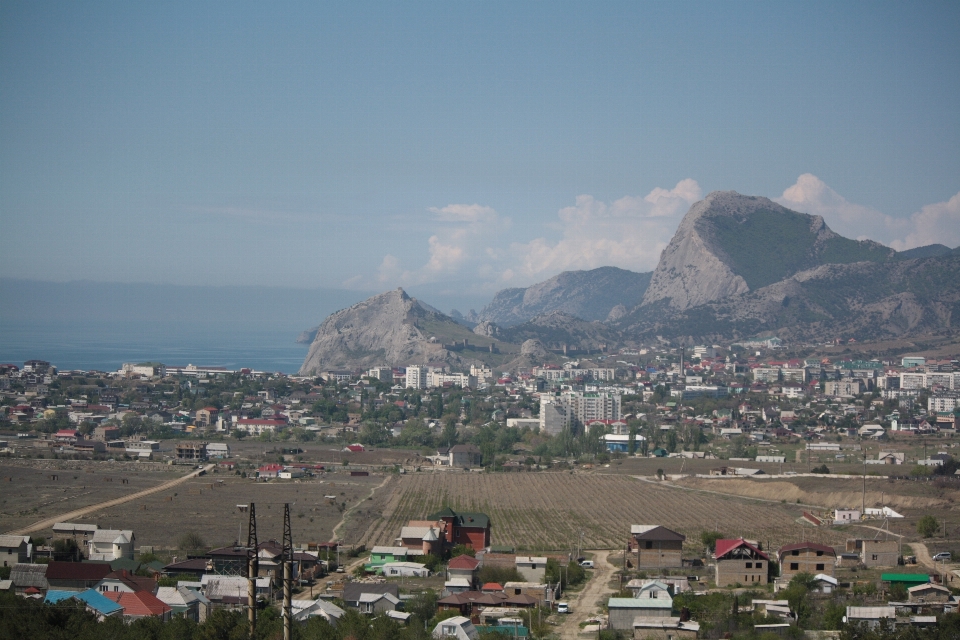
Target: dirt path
{"points": [[584, 605], [334, 536], [923, 554], [79, 513]]}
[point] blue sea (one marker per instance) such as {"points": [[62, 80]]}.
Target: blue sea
{"points": [[105, 345]]}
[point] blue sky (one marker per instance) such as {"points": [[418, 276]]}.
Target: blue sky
{"points": [[456, 148]]}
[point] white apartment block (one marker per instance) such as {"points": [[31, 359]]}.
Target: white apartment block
{"points": [[439, 379], [913, 380], [383, 374], [481, 372], [417, 377], [942, 403], [573, 409], [766, 374], [843, 388], [794, 375], [570, 374]]}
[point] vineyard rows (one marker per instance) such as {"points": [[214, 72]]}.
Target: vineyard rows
{"points": [[547, 511]]}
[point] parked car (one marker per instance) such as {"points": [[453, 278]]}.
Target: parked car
{"points": [[563, 607], [943, 556], [588, 564]]}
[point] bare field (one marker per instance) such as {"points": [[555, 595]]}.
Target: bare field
{"points": [[546, 511], [206, 505], [31, 490]]}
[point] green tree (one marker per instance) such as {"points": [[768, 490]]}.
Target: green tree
{"points": [[927, 526], [709, 539]]}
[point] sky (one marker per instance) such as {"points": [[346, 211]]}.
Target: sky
{"points": [[456, 148]]}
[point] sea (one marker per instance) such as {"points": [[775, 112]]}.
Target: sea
{"points": [[104, 345]]}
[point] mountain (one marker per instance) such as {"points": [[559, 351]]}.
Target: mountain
{"points": [[928, 251], [557, 330], [588, 295], [863, 300], [729, 244], [393, 329]]}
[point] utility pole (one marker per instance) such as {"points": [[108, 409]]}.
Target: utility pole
{"points": [[287, 573], [253, 568]]}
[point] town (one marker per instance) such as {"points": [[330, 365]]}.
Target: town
{"points": [[745, 413]]}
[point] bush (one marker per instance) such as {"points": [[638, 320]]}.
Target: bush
{"points": [[821, 469], [927, 526], [709, 539]]}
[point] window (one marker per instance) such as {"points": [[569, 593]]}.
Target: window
{"points": [[795, 552], [819, 553], [648, 544], [759, 565], [874, 557], [749, 565], [819, 567], [794, 566]]}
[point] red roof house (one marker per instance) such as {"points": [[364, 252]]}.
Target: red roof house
{"points": [[140, 604]]}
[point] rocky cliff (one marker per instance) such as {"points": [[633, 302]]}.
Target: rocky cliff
{"points": [[389, 329], [729, 244], [588, 295]]}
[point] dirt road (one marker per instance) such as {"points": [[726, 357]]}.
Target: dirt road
{"points": [[79, 513], [584, 605]]}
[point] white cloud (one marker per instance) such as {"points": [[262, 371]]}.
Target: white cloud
{"points": [[629, 233], [934, 223], [937, 223]]}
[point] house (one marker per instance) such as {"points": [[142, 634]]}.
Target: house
{"points": [[185, 602], [76, 575], [380, 556], [846, 516], [304, 609], [457, 585], [412, 569], [111, 544], [541, 593], [891, 457], [740, 562], [671, 584], [871, 616], [218, 450], [656, 546], [353, 591], [232, 590], [125, 582], [29, 576], [15, 550], [271, 470], [421, 535], [465, 455], [533, 569], [457, 627], [74, 531], [94, 602], [806, 557], [880, 553], [464, 567], [623, 611], [664, 628], [469, 529], [140, 604], [822, 583], [376, 603], [929, 592]]}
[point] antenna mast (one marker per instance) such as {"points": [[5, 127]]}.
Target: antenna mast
{"points": [[287, 573], [253, 568]]}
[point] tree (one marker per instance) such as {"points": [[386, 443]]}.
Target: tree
{"points": [[191, 541], [927, 526], [709, 539]]}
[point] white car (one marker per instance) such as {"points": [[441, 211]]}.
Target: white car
{"points": [[943, 556], [587, 564], [563, 607]]}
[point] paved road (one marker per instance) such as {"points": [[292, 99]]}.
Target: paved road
{"points": [[584, 605], [79, 513]]}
